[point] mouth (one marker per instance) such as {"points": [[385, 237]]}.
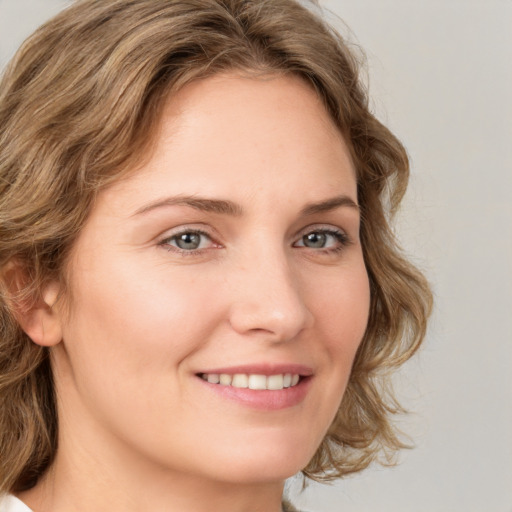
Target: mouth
{"points": [[254, 381], [262, 387]]}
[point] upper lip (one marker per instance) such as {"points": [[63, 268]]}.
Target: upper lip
{"points": [[263, 369]]}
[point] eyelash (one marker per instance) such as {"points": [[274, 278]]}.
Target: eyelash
{"points": [[341, 237], [165, 243]]}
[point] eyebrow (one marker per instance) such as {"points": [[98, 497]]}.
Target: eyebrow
{"points": [[227, 207], [329, 205], [221, 206]]}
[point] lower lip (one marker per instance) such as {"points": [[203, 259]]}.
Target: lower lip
{"points": [[263, 399]]}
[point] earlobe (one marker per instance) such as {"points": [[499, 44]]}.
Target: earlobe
{"points": [[38, 316]]}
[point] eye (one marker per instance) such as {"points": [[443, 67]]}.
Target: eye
{"points": [[188, 241], [316, 240], [327, 239]]}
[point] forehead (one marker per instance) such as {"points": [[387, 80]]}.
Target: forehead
{"points": [[236, 135]]}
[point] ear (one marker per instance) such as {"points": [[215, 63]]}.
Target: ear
{"points": [[38, 316], [42, 321]]}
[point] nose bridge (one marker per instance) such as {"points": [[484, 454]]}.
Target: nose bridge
{"points": [[268, 298]]}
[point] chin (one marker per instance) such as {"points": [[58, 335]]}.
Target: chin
{"points": [[266, 464], [251, 473]]}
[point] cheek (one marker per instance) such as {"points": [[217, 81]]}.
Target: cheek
{"points": [[342, 311], [127, 321]]}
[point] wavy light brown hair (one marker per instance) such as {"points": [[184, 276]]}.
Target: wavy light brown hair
{"points": [[78, 106]]}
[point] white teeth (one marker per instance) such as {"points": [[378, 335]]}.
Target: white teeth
{"points": [[257, 382], [240, 380], [253, 381], [213, 378], [275, 382], [225, 379]]}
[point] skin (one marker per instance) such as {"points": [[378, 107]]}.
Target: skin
{"points": [[138, 429]]}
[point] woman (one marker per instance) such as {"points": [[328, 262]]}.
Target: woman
{"points": [[201, 294]]}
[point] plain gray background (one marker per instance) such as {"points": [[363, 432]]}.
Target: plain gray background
{"points": [[440, 76]]}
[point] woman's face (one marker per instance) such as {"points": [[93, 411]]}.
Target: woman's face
{"points": [[232, 255]]}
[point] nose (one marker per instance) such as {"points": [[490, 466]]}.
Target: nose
{"points": [[267, 300]]}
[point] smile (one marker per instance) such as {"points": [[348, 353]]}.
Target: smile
{"points": [[253, 381]]}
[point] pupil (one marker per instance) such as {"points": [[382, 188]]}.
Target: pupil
{"points": [[188, 241], [316, 240]]}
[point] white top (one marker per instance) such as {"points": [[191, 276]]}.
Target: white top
{"points": [[10, 503]]}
